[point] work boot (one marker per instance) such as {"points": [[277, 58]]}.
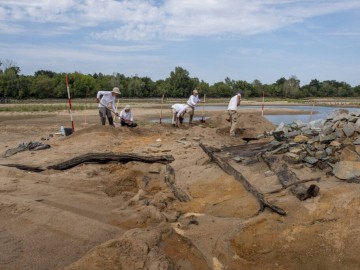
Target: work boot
{"points": [[111, 121]]}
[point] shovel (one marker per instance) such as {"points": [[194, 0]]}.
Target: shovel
{"points": [[203, 107]]}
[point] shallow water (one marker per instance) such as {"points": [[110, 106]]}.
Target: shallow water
{"points": [[319, 112]]}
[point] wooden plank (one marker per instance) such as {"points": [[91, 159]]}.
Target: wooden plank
{"points": [[226, 167]]}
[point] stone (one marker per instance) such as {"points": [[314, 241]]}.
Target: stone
{"points": [[348, 154], [269, 173], [313, 140], [320, 154], [347, 141], [291, 158], [295, 150], [327, 138], [281, 150], [339, 133], [349, 129], [329, 151], [155, 168], [156, 145], [238, 159], [301, 139], [357, 141], [335, 144], [197, 139], [327, 130], [293, 134], [357, 149], [310, 160], [347, 169], [353, 119], [358, 122]]}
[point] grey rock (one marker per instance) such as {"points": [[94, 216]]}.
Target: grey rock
{"points": [[328, 138], [310, 160], [281, 150], [320, 154], [238, 159], [357, 141], [293, 134], [349, 129]]}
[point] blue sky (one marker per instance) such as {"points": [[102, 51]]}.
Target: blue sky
{"points": [[212, 39]]}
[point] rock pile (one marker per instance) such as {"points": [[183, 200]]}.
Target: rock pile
{"points": [[332, 145]]}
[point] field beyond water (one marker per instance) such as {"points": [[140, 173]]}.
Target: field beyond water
{"points": [[139, 215]]}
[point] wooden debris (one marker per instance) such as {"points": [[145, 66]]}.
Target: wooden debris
{"points": [[226, 167], [317, 179], [103, 158], [170, 181], [288, 178]]}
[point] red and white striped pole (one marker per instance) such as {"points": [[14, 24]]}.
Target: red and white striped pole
{"points": [[263, 103], [69, 100]]}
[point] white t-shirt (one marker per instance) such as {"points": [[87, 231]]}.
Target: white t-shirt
{"points": [[179, 108], [107, 99], [193, 100], [126, 115], [234, 102]]}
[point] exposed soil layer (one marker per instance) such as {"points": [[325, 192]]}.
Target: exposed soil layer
{"points": [[126, 216]]}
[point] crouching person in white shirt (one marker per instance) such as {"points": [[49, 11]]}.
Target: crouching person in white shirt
{"points": [[178, 112], [126, 118]]}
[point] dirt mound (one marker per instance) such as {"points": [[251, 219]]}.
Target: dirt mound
{"points": [[248, 124]]}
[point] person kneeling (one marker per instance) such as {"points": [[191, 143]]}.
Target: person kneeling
{"points": [[126, 118]]}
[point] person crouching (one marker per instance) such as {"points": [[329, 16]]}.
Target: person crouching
{"points": [[178, 112], [126, 118]]}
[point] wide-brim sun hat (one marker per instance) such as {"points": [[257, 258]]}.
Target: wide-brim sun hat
{"points": [[195, 91], [127, 107], [116, 90]]}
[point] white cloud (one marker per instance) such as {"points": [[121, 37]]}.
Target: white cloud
{"points": [[139, 19]]}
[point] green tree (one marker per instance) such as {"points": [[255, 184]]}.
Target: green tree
{"points": [[180, 83]]}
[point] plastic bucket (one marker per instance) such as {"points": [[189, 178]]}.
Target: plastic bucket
{"points": [[68, 131]]}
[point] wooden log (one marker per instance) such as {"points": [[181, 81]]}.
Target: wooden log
{"points": [[226, 167], [24, 167], [170, 181], [317, 179], [103, 158], [288, 178]]}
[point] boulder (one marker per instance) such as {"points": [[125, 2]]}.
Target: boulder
{"points": [[347, 169], [301, 139]]}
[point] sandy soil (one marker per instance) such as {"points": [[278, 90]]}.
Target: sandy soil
{"points": [[124, 216]]}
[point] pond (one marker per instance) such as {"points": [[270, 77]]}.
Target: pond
{"points": [[320, 112]]}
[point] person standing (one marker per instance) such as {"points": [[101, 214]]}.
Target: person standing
{"points": [[178, 112], [192, 101], [232, 111], [106, 99], [126, 118]]}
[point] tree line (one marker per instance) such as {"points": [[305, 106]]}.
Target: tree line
{"points": [[179, 84]]}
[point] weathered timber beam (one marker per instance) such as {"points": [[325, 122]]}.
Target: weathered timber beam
{"points": [[103, 158], [170, 181], [288, 178], [226, 167]]}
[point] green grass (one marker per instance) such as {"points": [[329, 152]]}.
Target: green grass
{"points": [[45, 107]]}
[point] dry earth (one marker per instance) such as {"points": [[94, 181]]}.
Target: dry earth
{"points": [[124, 216]]}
